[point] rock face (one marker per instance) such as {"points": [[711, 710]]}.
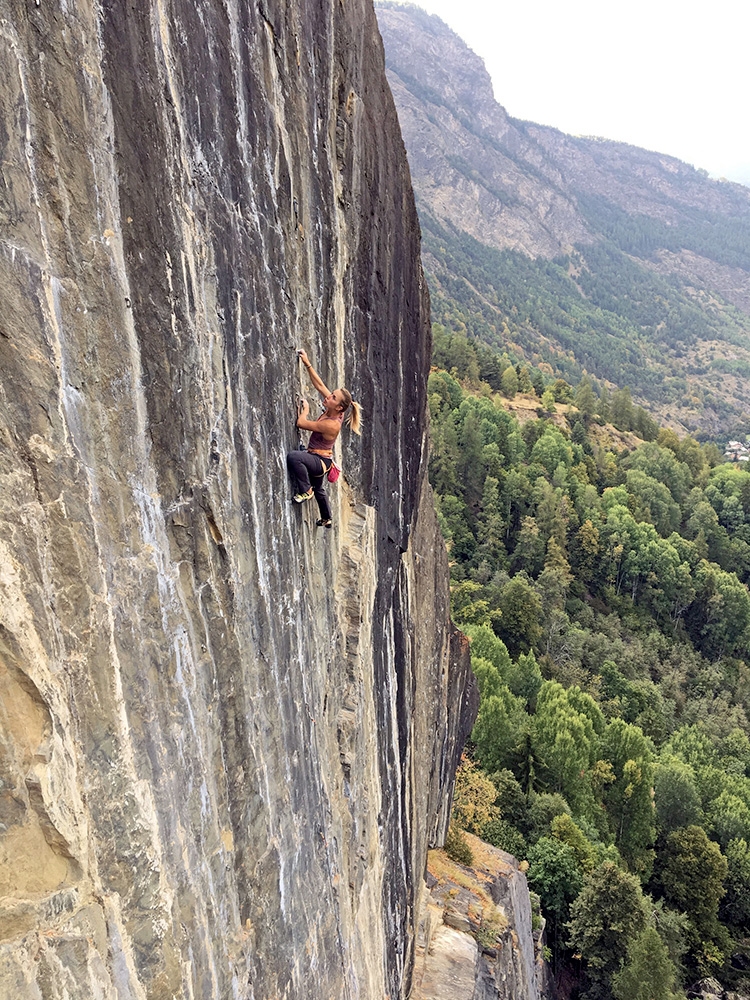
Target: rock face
{"points": [[476, 940], [226, 737], [711, 989]]}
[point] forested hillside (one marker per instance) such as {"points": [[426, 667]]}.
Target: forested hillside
{"points": [[604, 589], [587, 255]]}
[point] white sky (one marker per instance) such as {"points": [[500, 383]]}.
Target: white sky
{"points": [[668, 75]]}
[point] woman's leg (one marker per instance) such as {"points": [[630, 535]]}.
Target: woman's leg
{"points": [[319, 489], [306, 468], [297, 465]]}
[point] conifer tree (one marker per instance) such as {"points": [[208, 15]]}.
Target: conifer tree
{"points": [[648, 973]]}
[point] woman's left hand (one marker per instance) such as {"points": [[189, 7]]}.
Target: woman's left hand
{"points": [[303, 408]]}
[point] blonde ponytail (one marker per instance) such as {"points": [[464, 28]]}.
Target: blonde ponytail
{"points": [[354, 417], [353, 411]]}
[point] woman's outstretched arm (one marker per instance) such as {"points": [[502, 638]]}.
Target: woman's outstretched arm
{"points": [[316, 380]]}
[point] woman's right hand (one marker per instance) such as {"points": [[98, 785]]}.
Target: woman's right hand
{"points": [[303, 357]]}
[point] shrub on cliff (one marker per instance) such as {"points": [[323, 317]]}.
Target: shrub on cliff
{"points": [[474, 798], [457, 847]]}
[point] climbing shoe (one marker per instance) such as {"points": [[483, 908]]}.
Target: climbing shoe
{"points": [[301, 497], [323, 522]]}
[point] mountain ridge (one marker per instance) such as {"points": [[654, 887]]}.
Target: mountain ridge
{"points": [[664, 250]]}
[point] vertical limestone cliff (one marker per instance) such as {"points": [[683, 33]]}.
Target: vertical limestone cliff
{"points": [[226, 737]]}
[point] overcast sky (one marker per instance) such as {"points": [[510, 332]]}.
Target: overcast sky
{"points": [[668, 75]]}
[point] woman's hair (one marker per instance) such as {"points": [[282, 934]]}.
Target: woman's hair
{"points": [[354, 416]]}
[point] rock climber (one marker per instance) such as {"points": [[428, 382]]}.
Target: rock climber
{"points": [[309, 468]]}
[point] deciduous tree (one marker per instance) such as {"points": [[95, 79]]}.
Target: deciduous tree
{"points": [[693, 873], [606, 918]]}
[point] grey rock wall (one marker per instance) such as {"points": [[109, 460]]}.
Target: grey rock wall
{"points": [[227, 738], [476, 940]]}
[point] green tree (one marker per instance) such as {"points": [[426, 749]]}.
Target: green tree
{"points": [[605, 403], [554, 874], [692, 874], [490, 368], [566, 743], [585, 550], [676, 795], [648, 972], [730, 814], [628, 799], [586, 400], [735, 752], [548, 401], [673, 928], [521, 610], [562, 391], [453, 351], [515, 497], [486, 644], [537, 380], [510, 798], [453, 517], [499, 730], [543, 808], [554, 510], [490, 525], [735, 906], [565, 829], [704, 523], [509, 382], [489, 680], [445, 389], [552, 449], [644, 424], [719, 618], [691, 453], [662, 465], [525, 678], [606, 918], [621, 409], [555, 578], [525, 384], [445, 453], [529, 551], [470, 464], [652, 501], [468, 606], [503, 834]]}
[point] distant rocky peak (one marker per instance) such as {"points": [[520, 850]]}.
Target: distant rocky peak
{"points": [[431, 57]]}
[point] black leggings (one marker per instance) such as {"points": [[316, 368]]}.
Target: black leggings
{"points": [[309, 470]]}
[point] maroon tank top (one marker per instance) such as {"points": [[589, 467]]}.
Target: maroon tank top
{"points": [[319, 443]]}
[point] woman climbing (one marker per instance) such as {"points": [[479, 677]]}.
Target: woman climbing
{"points": [[309, 468]]}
